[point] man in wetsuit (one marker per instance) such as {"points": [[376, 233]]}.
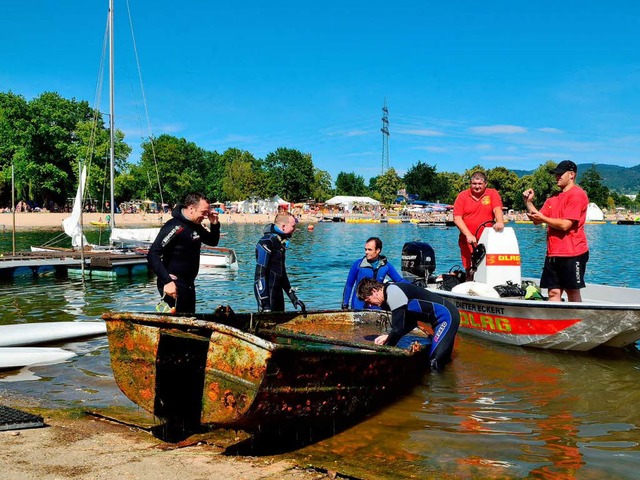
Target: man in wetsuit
{"points": [[373, 265], [409, 304], [271, 278], [174, 256]]}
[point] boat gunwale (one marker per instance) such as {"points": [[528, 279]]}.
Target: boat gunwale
{"points": [[255, 334], [586, 304]]}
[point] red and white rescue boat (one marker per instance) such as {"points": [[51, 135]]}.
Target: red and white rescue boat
{"points": [[607, 316]]}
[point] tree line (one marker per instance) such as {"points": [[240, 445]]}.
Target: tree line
{"points": [[48, 139]]}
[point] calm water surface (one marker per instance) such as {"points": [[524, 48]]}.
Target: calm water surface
{"points": [[495, 412]]}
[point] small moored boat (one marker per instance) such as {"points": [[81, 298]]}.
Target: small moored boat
{"points": [[218, 257]]}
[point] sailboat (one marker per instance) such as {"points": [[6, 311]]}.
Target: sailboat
{"points": [[124, 240]]}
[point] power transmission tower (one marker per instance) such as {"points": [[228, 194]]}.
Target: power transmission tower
{"points": [[385, 137]]}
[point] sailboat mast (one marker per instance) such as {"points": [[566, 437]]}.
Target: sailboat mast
{"points": [[112, 130]]}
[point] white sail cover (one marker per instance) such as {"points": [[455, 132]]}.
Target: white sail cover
{"points": [[71, 225], [133, 236]]}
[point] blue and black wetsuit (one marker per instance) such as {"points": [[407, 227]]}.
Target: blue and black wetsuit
{"points": [[271, 279], [364, 269], [408, 304], [176, 253]]}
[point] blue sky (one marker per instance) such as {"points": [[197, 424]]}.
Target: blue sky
{"points": [[466, 83]]}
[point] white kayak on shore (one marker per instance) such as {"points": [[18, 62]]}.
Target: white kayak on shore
{"points": [[17, 357], [47, 332]]}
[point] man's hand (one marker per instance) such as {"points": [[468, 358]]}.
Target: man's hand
{"points": [[300, 303], [381, 340], [296, 301], [213, 217], [472, 239], [498, 226], [528, 195], [170, 289]]}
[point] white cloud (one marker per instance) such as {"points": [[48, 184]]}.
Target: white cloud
{"points": [[433, 149], [483, 146], [497, 129], [421, 132], [550, 130]]}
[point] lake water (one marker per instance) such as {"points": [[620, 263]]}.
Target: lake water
{"points": [[495, 412]]}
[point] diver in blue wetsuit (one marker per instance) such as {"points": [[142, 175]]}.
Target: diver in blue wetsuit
{"points": [[372, 265], [409, 304], [271, 278]]}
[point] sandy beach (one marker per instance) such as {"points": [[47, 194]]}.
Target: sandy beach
{"points": [[87, 448], [32, 220]]}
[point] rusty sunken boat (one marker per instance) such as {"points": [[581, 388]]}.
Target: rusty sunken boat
{"points": [[254, 371]]}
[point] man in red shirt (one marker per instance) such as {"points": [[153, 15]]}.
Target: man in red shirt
{"points": [[472, 208], [567, 249]]}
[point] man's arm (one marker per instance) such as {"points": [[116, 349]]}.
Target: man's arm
{"points": [[464, 230], [348, 287], [210, 237], [498, 224], [154, 257], [261, 284], [393, 274], [538, 217]]}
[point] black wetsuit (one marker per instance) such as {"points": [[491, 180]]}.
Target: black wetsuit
{"points": [[271, 279], [176, 252], [408, 304]]}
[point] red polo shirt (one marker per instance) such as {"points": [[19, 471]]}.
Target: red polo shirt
{"points": [[570, 205]]}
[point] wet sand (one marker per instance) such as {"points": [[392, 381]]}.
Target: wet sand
{"points": [[92, 449]]}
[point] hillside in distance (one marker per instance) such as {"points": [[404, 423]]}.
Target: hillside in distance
{"points": [[625, 180]]}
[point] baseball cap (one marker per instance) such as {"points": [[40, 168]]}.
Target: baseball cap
{"points": [[565, 166]]}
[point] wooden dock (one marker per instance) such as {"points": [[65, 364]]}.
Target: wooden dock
{"points": [[60, 263]]}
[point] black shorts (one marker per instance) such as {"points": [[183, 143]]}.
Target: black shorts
{"points": [[566, 273]]}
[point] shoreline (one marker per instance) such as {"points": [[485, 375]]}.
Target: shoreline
{"points": [[81, 446], [46, 220]]}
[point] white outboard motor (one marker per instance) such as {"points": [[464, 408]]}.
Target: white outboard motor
{"points": [[501, 263]]}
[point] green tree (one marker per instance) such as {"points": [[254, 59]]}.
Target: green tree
{"points": [[47, 139], [51, 166], [452, 183], [422, 180], [93, 151], [621, 200], [215, 167], [240, 179], [180, 167], [14, 142], [350, 184], [591, 182], [289, 174], [506, 183], [232, 162], [321, 188], [543, 183], [388, 185]]}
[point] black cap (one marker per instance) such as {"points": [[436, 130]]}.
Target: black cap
{"points": [[565, 166]]}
